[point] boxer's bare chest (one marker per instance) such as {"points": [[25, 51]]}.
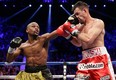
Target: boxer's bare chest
{"points": [[33, 48], [86, 29], [88, 26]]}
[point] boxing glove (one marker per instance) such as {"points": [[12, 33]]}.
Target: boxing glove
{"points": [[15, 42], [61, 32], [73, 20], [70, 28]]}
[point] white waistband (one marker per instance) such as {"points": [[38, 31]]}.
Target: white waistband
{"points": [[94, 52]]}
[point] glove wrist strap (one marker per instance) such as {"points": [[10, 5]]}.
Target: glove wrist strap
{"points": [[69, 38]]}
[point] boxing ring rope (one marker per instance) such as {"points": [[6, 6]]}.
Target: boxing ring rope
{"points": [[64, 76]]}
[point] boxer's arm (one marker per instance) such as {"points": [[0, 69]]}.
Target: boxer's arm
{"points": [[14, 49], [11, 56], [77, 42], [71, 28], [50, 36], [93, 32], [58, 32]]}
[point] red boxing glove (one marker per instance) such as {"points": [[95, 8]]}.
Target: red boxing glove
{"points": [[71, 28], [67, 35], [60, 31], [67, 26]]}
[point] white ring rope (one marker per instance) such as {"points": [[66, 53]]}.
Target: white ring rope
{"points": [[54, 76]]}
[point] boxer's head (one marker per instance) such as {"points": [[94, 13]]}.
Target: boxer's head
{"points": [[33, 28], [81, 10]]}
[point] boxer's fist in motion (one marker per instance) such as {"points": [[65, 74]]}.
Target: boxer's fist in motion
{"points": [[70, 28], [61, 32], [15, 42]]}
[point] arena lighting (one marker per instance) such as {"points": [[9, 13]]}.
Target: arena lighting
{"points": [[49, 19], [35, 12], [61, 5], [50, 5], [65, 10], [111, 0], [95, 5], [13, 5], [47, 1], [62, 1], [72, 5], [41, 5], [14, 14], [104, 5], [30, 5], [30, 18], [5, 5]]}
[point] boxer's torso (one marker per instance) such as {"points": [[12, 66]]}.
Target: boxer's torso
{"points": [[36, 52], [98, 42]]}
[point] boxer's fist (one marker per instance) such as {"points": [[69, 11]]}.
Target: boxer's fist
{"points": [[73, 20], [67, 35], [61, 32], [15, 42], [70, 28]]}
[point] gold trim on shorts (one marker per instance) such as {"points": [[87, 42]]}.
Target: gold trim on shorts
{"points": [[22, 75]]}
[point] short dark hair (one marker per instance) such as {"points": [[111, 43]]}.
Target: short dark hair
{"points": [[80, 5]]}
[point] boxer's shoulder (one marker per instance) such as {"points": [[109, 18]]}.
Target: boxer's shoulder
{"points": [[44, 36], [23, 45], [98, 20]]}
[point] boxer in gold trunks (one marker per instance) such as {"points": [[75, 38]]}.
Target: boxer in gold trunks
{"points": [[35, 49]]}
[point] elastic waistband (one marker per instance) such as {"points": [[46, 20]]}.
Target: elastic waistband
{"points": [[34, 69], [94, 52]]}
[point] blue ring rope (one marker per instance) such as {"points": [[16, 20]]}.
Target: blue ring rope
{"points": [[48, 63]]}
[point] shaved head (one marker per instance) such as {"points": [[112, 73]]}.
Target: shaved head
{"points": [[32, 24]]}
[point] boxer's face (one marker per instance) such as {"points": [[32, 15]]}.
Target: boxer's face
{"points": [[80, 14], [33, 29]]}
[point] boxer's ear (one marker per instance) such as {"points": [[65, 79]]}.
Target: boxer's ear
{"points": [[26, 30]]}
